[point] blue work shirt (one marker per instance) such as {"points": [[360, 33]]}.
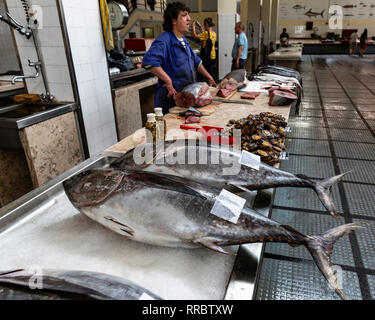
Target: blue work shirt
{"points": [[240, 41], [179, 63]]}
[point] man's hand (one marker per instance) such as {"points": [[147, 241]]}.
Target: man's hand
{"points": [[171, 91], [237, 63], [211, 82]]}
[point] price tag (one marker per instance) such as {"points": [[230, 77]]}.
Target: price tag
{"points": [[284, 156], [250, 160], [145, 296], [228, 206], [288, 129]]}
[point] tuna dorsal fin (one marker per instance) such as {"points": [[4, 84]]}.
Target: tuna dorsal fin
{"points": [[164, 181], [213, 247]]}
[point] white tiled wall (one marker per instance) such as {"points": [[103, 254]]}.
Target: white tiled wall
{"points": [[90, 64], [52, 48]]}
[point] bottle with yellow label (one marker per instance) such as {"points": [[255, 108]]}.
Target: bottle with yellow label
{"points": [[161, 125], [151, 125]]}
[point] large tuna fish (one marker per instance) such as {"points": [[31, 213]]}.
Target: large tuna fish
{"points": [[175, 212], [217, 166], [195, 94], [68, 284]]}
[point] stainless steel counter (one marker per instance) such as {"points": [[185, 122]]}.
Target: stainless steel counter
{"points": [[19, 116], [42, 229]]}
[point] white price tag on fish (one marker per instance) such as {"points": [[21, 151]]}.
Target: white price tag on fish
{"points": [[250, 160], [145, 296], [228, 206]]}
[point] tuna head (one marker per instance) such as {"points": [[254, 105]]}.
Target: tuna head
{"points": [[92, 187]]}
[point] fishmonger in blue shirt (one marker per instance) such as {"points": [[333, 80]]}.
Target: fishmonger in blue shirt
{"points": [[171, 58]]}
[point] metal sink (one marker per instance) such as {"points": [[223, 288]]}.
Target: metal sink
{"points": [[18, 116]]}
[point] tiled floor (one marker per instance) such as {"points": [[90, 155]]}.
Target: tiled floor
{"points": [[333, 133]]}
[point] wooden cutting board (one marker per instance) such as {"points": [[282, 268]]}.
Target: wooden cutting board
{"points": [[206, 111]]}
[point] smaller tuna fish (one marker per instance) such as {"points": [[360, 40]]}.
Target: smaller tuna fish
{"points": [[195, 94], [69, 284], [161, 158]]}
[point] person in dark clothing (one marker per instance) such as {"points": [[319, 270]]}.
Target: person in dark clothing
{"points": [[151, 3], [284, 38], [208, 52], [363, 43], [171, 58], [134, 4]]}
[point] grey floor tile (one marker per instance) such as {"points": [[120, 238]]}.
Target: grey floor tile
{"points": [[361, 199], [354, 150], [310, 224], [315, 167], [364, 136], [346, 123], [366, 241], [360, 171], [283, 280], [308, 147], [338, 107], [307, 132]]}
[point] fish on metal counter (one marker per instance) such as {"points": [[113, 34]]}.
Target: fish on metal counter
{"points": [[162, 159], [68, 285], [170, 211]]}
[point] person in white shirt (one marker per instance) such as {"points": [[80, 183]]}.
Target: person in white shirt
{"points": [[353, 43]]}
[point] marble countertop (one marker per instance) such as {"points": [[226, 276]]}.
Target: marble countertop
{"points": [[223, 113]]}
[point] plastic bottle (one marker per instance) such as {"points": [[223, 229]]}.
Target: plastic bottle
{"points": [[161, 125], [151, 125]]}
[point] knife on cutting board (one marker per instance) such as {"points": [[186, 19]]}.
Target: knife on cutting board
{"points": [[233, 101]]}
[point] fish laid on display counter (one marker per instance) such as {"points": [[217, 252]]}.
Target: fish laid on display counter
{"points": [[68, 284], [195, 94], [212, 173], [231, 82], [171, 211]]}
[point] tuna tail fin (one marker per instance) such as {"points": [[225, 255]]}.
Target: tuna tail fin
{"points": [[323, 190], [322, 13], [321, 248]]}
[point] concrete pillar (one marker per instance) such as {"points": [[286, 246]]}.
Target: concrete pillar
{"points": [[266, 21], [226, 10], [274, 21]]}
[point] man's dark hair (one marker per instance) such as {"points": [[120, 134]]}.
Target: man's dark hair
{"points": [[209, 22], [171, 12]]}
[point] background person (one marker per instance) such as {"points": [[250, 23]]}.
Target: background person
{"points": [[363, 43], [208, 52], [171, 58], [284, 38], [240, 48], [353, 42]]}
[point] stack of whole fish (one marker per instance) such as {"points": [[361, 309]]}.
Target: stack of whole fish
{"points": [[172, 208], [68, 284]]}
